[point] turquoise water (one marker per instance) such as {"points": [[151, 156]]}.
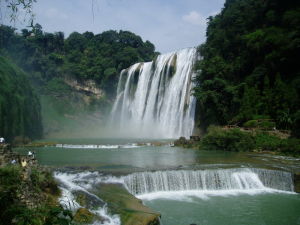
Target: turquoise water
{"points": [[260, 209], [148, 157], [118, 158], [238, 209]]}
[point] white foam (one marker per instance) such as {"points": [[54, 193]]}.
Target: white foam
{"points": [[67, 200], [220, 179], [180, 185], [205, 194], [73, 146], [83, 182], [108, 219], [154, 98]]}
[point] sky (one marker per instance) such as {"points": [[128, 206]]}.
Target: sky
{"points": [[169, 24]]}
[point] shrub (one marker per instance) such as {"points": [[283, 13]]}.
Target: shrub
{"points": [[264, 124], [296, 125], [290, 146], [227, 140], [12, 209], [267, 142], [268, 125], [251, 124]]}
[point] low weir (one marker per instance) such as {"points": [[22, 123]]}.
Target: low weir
{"points": [[206, 180]]}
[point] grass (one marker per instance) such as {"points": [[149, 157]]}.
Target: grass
{"points": [[19, 187], [218, 138]]}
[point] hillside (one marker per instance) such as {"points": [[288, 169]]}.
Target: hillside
{"points": [[76, 76], [20, 109], [249, 67]]}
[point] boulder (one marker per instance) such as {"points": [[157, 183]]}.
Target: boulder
{"points": [[131, 209], [87, 200], [297, 182], [84, 216], [181, 141], [195, 138]]}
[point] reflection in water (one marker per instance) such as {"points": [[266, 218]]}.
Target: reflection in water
{"points": [[151, 157]]}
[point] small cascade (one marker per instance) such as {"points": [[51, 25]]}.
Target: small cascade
{"points": [[73, 184], [171, 184], [154, 99], [207, 180]]}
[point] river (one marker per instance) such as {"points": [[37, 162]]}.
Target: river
{"points": [[186, 186]]}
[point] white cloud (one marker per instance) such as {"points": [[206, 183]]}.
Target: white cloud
{"points": [[53, 13], [194, 18], [169, 25]]}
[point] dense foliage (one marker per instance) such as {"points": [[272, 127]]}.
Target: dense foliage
{"points": [[249, 68], [99, 57], [227, 140], [40, 183], [238, 140], [20, 113]]}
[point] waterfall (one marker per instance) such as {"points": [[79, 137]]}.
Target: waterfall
{"points": [[154, 98], [207, 180], [173, 184]]}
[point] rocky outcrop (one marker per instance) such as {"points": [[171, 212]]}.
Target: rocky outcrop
{"points": [[86, 200], [183, 142], [79, 105], [89, 87], [84, 216], [297, 182], [131, 210]]}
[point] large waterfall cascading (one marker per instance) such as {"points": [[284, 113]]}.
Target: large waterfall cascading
{"points": [[223, 179], [154, 98]]}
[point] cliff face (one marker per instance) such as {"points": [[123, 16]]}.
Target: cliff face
{"points": [[69, 105], [88, 87]]}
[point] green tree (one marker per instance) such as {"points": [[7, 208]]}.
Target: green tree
{"points": [[251, 46]]}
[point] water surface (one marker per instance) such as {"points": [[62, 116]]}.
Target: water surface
{"points": [[118, 157]]}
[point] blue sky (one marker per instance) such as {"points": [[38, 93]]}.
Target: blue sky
{"points": [[169, 24]]}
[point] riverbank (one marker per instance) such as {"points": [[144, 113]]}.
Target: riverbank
{"points": [[244, 140], [28, 192], [152, 173], [28, 188]]}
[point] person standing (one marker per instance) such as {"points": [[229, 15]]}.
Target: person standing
{"points": [[2, 140]]}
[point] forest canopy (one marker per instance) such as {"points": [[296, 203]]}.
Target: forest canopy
{"points": [[99, 57], [249, 67]]}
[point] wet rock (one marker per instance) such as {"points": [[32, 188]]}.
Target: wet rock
{"points": [[87, 200], [84, 216], [195, 138], [131, 210], [297, 182], [181, 141]]}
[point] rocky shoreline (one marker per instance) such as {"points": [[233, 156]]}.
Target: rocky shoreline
{"points": [[119, 201]]}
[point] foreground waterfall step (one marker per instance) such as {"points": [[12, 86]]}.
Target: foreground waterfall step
{"points": [[131, 210], [108, 203], [115, 199], [154, 98], [208, 180]]}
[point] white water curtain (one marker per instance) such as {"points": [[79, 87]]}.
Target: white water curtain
{"points": [[154, 99]]}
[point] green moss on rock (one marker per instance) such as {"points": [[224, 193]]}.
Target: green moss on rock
{"points": [[84, 216], [131, 210]]}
